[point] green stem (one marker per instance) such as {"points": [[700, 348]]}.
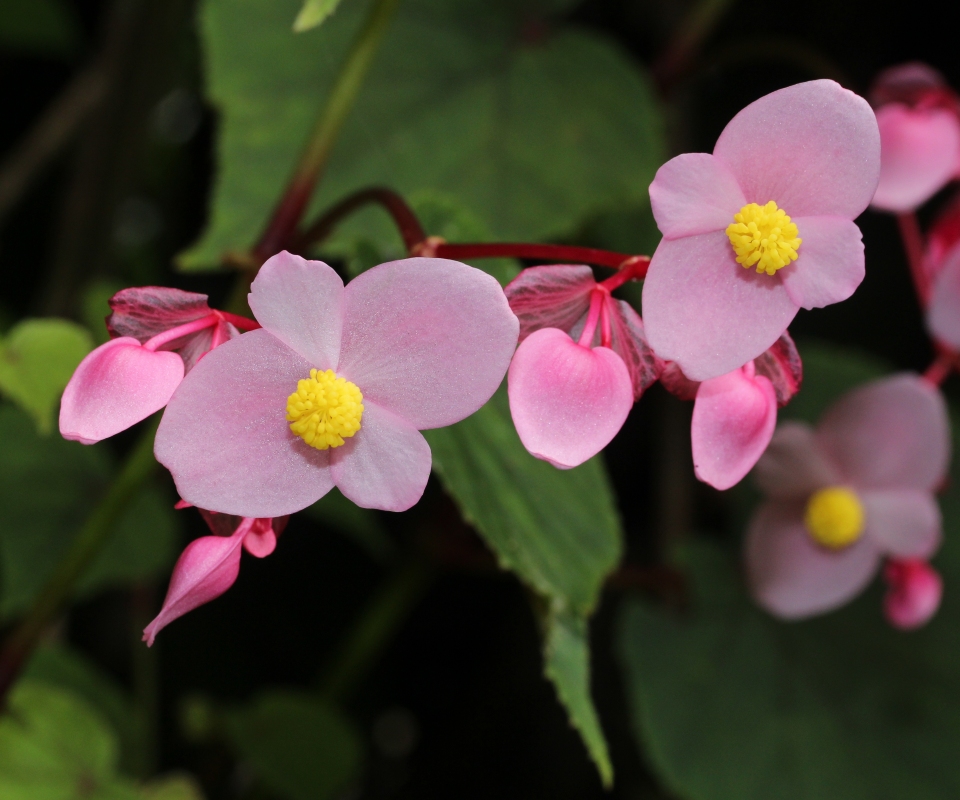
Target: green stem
{"points": [[95, 532], [289, 211], [378, 624]]}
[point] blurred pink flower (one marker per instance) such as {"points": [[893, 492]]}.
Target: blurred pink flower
{"points": [[914, 590], [159, 334], [941, 265], [210, 565], [263, 426], [845, 495], [583, 360], [810, 151], [919, 136]]}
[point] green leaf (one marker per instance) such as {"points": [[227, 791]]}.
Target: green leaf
{"points": [[37, 358], [172, 787], [47, 488], [313, 13], [557, 529], [532, 137], [567, 664], [45, 27], [298, 745], [53, 745], [733, 704]]}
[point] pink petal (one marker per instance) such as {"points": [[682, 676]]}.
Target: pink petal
{"points": [[733, 419], [694, 193], [781, 364], [144, 311], [116, 386], [427, 338], [567, 401], [913, 594], [791, 576], [205, 570], [385, 465], [903, 522], [793, 466], [830, 264], [225, 437], [814, 148], [706, 312], [943, 315], [301, 303], [920, 154], [889, 434], [629, 341], [261, 541], [911, 83], [553, 296]]}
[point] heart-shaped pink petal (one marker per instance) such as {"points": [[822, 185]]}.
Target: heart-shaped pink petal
{"points": [[567, 401], [733, 421], [116, 386]]}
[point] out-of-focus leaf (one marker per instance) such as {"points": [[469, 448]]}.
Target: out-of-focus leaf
{"points": [[566, 654], [96, 307], [360, 524], [732, 703], [37, 358], [313, 13], [45, 27], [47, 488], [557, 529], [531, 136], [54, 746], [172, 787], [299, 746]]}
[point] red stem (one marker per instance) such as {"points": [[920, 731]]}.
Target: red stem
{"points": [[913, 244], [243, 323], [941, 368]]}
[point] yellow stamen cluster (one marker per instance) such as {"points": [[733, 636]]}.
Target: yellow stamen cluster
{"points": [[325, 409], [765, 236], [834, 517]]}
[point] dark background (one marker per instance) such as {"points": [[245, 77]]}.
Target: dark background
{"points": [[461, 682]]}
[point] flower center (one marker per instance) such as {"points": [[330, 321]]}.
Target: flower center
{"points": [[765, 236], [325, 409], [834, 517]]}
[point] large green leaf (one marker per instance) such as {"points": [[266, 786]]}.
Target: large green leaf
{"points": [[532, 136], [298, 745], [734, 704], [53, 746], [47, 488], [37, 358]]}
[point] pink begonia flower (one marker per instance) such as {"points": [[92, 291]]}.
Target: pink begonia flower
{"points": [[210, 565], [335, 388], [760, 228], [919, 136], [845, 495], [583, 360], [159, 335], [734, 416]]}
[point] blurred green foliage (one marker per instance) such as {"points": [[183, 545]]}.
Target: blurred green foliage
{"points": [[314, 13], [43, 27]]}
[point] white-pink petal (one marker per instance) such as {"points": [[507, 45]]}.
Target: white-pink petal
{"points": [[694, 193], [385, 465], [427, 338], [791, 576], [116, 386], [813, 148], [225, 438], [830, 262], [567, 401], [301, 303], [943, 315], [902, 522]]}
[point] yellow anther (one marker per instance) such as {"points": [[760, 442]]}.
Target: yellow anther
{"points": [[765, 236], [325, 409], [834, 517]]}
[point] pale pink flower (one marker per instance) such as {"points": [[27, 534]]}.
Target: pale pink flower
{"points": [[919, 136], [847, 494], [159, 334], [210, 565], [813, 150], [583, 360], [357, 370]]}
